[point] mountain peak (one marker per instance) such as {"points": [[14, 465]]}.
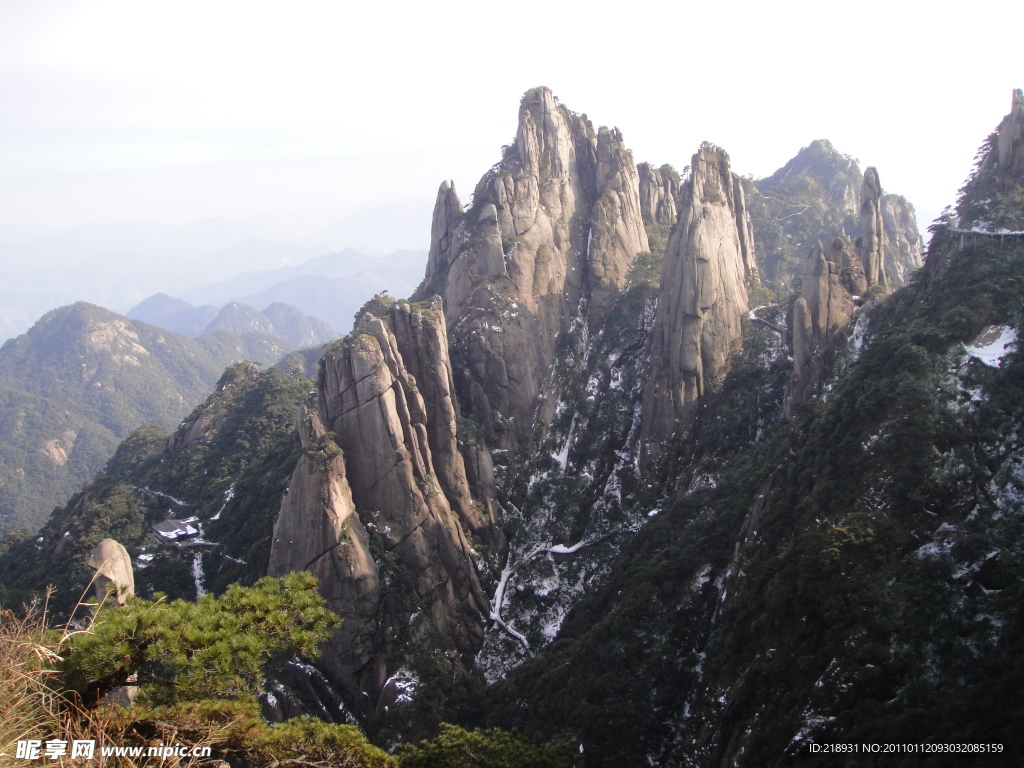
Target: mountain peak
{"points": [[991, 200]]}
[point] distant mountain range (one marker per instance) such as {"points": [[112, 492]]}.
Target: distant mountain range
{"points": [[279, 319], [328, 290], [331, 287], [60, 424], [83, 378], [121, 273]]}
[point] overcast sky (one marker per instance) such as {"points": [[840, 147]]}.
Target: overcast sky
{"points": [[294, 114]]}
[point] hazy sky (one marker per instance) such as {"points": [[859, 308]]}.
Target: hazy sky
{"points": [[296, 113]]}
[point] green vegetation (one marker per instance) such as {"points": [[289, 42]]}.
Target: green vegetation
{"points": [[984, 201], [46, 454], [214, 648], [812, 197], [197, 669], [79, 382], [227, 464], [198, 666], [305, 361], [492, 748]]}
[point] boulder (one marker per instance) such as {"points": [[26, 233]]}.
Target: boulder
{"points": [[113, 569]]}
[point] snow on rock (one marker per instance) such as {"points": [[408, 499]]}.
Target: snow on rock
{"points": [[176, 502], [561, 549], [993, 344], [859, 336], [229, 494], [400, 688]]}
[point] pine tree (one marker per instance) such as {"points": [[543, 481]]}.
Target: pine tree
{"points": [[215, 648]]}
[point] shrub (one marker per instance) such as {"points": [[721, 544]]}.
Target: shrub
{"points": [[492, 748]]}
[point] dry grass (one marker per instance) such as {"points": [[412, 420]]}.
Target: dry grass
{"points": [[25, 699], [30, 708]]}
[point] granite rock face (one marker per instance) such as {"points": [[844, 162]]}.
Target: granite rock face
{"points": [[701, 303], [388, 522], [990, 201], [902, 244], [444, 232], [554, 228], [421, 336], [318, 530], [817, 196], [372, 402], [840, 251], [869, 244], [1010, 144]]}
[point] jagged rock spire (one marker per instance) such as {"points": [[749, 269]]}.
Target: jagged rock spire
{"points": [[372, 402], [701, 303], [549, 240], [399, 481], [989, 201], [443, 228], [318, 530], [1011, 142], [617, 231], [870, 241]]}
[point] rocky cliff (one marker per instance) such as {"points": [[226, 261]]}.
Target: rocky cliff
{"points": [[1010, 145], [655, 560], [851, 572], [548, 241], [869, 244], [392, 519], [834, 276], [701, 303], [902, 243], [318, 530], [884, 255]]}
